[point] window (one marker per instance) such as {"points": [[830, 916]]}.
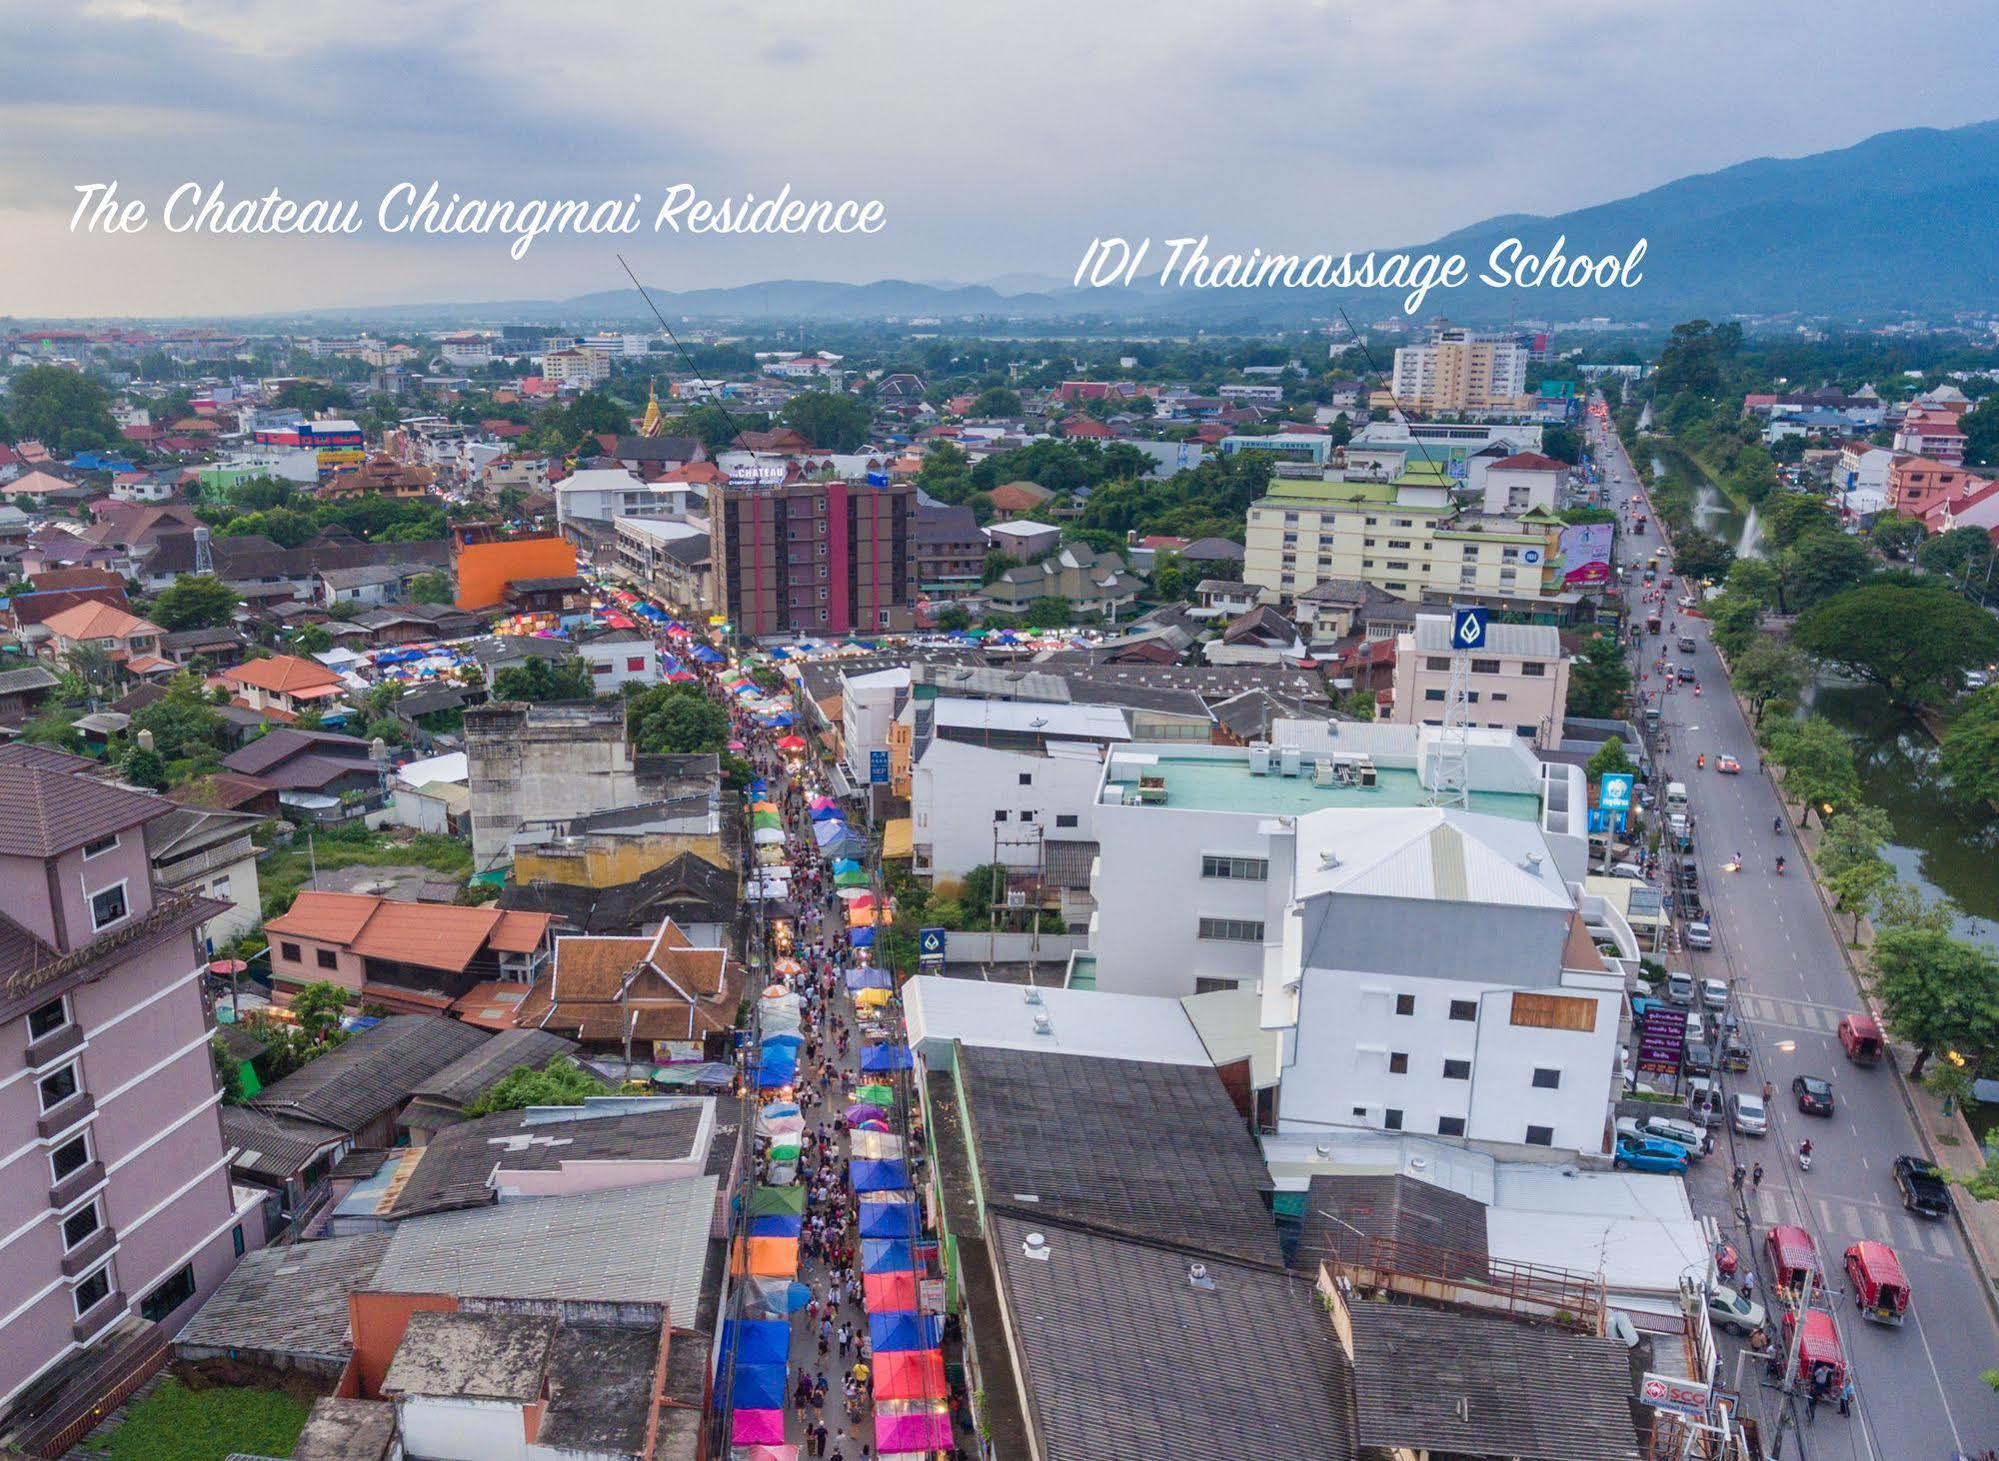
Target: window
{"points": [[1464, 1009], [326, 958], [169, 1296], [69, 1158], [1554, 1012], [1485, 667], [1027, 816], [236, 1239], [1027, 778], [1450, 1126], [999, 816], [1498, 695], [1540, 1136], [1433, 695], [80, 1224], [1547, 1080], [1457, 1070], [1065, 819], [1533, 668], [635, 665], [47, 1020], [1437, 662], [1242, 869], [1525, 732], [288, 952], [1398, 1062], [219, 888], [108, 907], [101, 846], [1391, 1119], [1215, 986], [93, 1290], [1405, 1004], [58, 1086], [1231, 930]]}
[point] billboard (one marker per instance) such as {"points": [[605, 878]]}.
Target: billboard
{"points": [[1662, 1039], [1585, 550]]}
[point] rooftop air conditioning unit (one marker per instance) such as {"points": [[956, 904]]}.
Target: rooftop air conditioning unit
{"points": [[1259, 759], [1290, 760], [1043, 1025]]}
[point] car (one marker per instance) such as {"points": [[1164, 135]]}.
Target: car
{"points": [[1697, 1059], [1704, 1101], [1727, 765], [1680, 987], [1649, 1154], [1714, 993], [1696, 1027], [1924, 1193], [1814, 1094], [1700, 934], [1685, 672], [1747, 1115], [1689, 873], [1670, 1128], [1629, 870], [1726, 1309]]}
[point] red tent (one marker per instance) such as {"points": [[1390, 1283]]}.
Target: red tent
{"points": [[887, 1292], [910, 1374]]}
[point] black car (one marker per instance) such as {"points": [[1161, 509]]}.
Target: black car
{"points": [[1698, 1059], [1923, 1191], [1690, 874], [1814, 1094]]}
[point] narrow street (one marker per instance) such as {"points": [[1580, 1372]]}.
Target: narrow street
{"points": [[1919, 1388]]}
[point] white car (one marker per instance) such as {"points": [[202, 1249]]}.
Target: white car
{"points": [[1746, 1112], [1700, 936], [1729, 1310], [1630, 870], [1714, 993]]}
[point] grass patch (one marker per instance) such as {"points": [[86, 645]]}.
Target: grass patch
{"points": [[175, 1423], [281, 874]]}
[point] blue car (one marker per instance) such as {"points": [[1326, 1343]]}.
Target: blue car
{"points": [[1648, 1154]]}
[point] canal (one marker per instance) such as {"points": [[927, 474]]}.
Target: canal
{"points": [[1688, 498], [1940, 846]]}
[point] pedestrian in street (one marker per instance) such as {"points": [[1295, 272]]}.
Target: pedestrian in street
{"points": [[1812, 1404], [1748, 1284], [1846, 1397], [1756, 1177], [1735, 1179]]}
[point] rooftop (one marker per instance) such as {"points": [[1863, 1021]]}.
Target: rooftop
{"points": [[477, 1356], [289, 1301], [1207, 784], [371, 1073], [1080, 1022]]}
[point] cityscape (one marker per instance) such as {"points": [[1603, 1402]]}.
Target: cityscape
{"points": [[846, 861]]}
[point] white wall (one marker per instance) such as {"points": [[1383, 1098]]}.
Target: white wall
{"points": [[616, 662], [957, 790], [867, 710], [461, 1430]]}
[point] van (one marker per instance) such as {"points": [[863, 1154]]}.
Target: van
{"points": [[1860, 1037], [1676, 796], [1680, 988], [1686, 643]]}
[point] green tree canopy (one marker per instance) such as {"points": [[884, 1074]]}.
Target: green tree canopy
{"points": [[677, 720], [996, 401], [1971, 749], [1963, 555], [182, 722], [540, 681], [1817, 760], [559, 1083], [1915, 643], [1610, 760], [1048, 613], [1769, 670], [1754, 579], [1899, 536], [829, 421], [142, 767], [431, 588], [1936, 992], [66, 411], [1700, 555], [1819, 566], [1599, 678], [195, 601]]}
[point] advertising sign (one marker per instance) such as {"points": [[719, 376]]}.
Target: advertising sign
{"points": [[1662, 1039], [930, 947], [1675, 1393], [1467, 628], [1614, 791], [878, 768], [1585, 549]]}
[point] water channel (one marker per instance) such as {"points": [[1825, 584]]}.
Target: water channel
{"points": [[1711, 511]]}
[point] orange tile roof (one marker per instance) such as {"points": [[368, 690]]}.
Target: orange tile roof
{"points": [[520, 933], [93, 620], [491, 1005], [284, 673], [430, 935], [332, 918]]}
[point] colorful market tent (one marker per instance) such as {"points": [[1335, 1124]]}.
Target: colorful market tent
{"points": [[755, 1387], [759, 1427], [879, 1176], [862, 938], [910, 1374], [777, 1225], [768, 837], [757, 1341], [914, 1432], [774, 1298], [854, 878], [791, 743], [888, 1218], [769, 1453], [884, 1292], [900, 1329], [863, 1111], [820, 814], [765, 1257], [767, 1200], [886, 1058], [708, 656], [887, 1255], [875, 1146], [875, 1094], [822, 801], [868, 977]]}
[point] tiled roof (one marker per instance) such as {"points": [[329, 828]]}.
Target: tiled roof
{"points": [[663, 987], [285, 673], [373, 1072], [290, 1301], [1422, 1221], [1154, 1151], [268, 751], [273, 1146], [1121, 1354], [51, 811], [97, 621], [434, 936]]}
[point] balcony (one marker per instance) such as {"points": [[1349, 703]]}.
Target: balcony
{"points": [[76, 1184], [65, 1114], [55, 1045]]}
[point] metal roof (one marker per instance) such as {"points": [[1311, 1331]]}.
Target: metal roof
{"points": [[289, 1302], [1528, 641], [372, 1073]]}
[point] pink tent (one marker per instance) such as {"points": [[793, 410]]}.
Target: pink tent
{"points": [[756, 1428], [772, 1453], [921, 1429]]}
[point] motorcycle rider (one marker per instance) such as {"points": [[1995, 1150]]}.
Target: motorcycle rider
{"points": [[1780, 867], [1776, 824]]}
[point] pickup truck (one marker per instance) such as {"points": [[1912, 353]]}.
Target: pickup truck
{"points": [[1923, 1191]]}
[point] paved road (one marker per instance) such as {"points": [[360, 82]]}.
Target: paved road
{"points": [[1920, 1392]]}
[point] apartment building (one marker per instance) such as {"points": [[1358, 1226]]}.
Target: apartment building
{"points": [[1459, 370], [668, 559], [116, 1216], [815, 558], [1933, 433], [1519, 681], [575, 367]]}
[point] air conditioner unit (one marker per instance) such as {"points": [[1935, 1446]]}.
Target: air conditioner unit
{"points": [[1259, 759], [1290, 760]]}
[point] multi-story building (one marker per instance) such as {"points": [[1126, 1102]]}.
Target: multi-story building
{"points": [[1461, 370], [668, 560], [116, 1212], [815, 558], [1519, 681], [466, 351], [1916, 485], [576, 367], [950, 552], [1933, 433]]}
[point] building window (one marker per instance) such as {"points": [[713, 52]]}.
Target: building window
{"points": [[1554, 1012], [326, 958], [636, 665], [1485, 667], [1464, 1009], [1433, 694], [108, 907], [999, 816], [1533, 668], [1547, 1080], [236, 1239], [1231, 930], [1437, 662], [1065, 819], [71, 1157], [1027, 816], [1450, 1126], [101, 846], [58, 1086], [46, 1020], [1405, 1004], [169, 1296], [80, 1224], [1457, 1070], [1242, 869], [1027, 778], [1391, 1119], [1540, 1136], [288, 952], [1215, 986], [1398, 1062], [93, 1290]]}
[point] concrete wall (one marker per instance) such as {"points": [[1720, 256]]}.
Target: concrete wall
{"points": [[1010, 948], [558, 761], [605, 862], [959, 790]]}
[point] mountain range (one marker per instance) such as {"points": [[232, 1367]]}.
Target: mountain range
{"points": [[1897, 225]]}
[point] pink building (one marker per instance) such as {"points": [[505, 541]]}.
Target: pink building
{"points": [[116, 1212], [1932, 433]]}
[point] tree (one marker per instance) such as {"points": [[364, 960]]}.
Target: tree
{"points": [[1981, 433], [1700, 555], [1794, 516], [1971, 749], [1609, 760], [1562, 443], [1754, 579], [1734, 621], [1769, 670], [1821, 566], [1817, 760], [318, 1007], [677, 720], [1599, 678], [1898, 536], [1963, 555], [1850, 856], [183, 722], [313, 639], [1936, 992], [830, 422], [717, 427], [996, 401], [66, 411], [1915, 643], [142, 767], [1048, 613], [1899, 905], [953, 618], [559, 1083], [195, 601], [540, 681], [1855, 887], [431, 588]]}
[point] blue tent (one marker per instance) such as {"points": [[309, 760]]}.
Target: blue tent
{"points": [[902, 1329], [891, 1176], [771, 1075], [702, 654], [777, 1225], [784, 1037], [844, 843], [757, 790], [886, 1057], [862, 938], [760, 1387], [895, 1219], [783, 720], [887, 1255], [757, 1341], [845, 865], [868, 977], [829, 814], [828, 831]]}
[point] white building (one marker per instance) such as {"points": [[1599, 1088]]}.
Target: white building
{"points": [[618, 657], [1262, 395], [998, 781], [432, 795], [599, 494], [1861, 478], [869, 704], [576, 367], [1519, 681], [465, 351], [1524, 481]]}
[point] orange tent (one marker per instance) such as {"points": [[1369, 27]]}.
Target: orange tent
{"points": [[765, 1257], [909, 1374]]}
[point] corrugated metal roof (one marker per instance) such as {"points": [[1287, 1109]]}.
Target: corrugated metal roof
{"points": [[1528, 641]]}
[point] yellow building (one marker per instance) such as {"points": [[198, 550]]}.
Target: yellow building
{"points": [[1461, 370]]}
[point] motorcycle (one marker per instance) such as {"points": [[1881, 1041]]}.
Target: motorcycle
{"points": [[1805, 1156], [1780, 867]]}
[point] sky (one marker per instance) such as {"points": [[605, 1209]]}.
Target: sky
{"points": [[1000, 139]]}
